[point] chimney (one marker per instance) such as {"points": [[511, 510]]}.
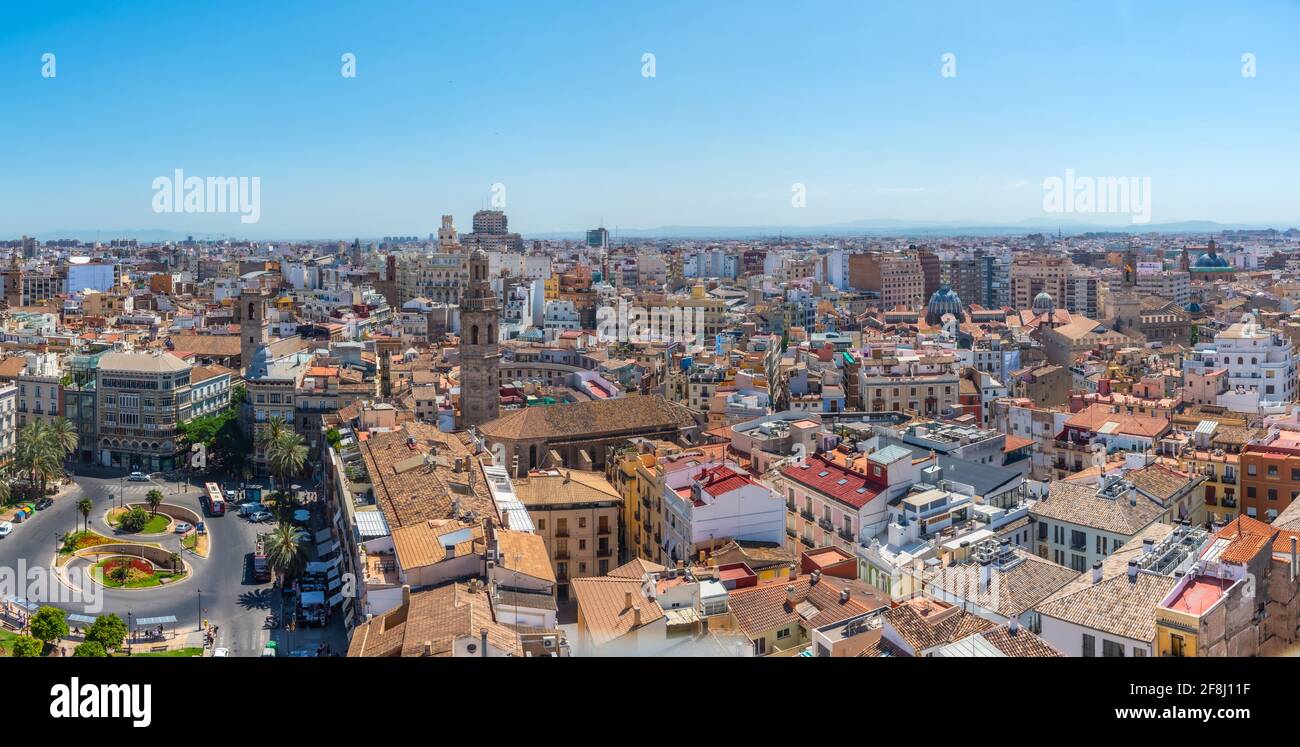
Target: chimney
{"points": [[1096, 572], [636, 616], [451, 551], [1148, 545], [627, 600], [1132, 570], [844, 596], [1013, 625], [794, 572], [986, 574], [428, 648], [1295, 563], [482, 637], [814, 578], [789, 595], [406, 595]]}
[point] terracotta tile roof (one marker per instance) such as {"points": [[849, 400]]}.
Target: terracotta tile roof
{"points": [[423, 543], [1161, 481], [761, 609], [602, 604], [1249, 536], [1093, 417], [409, 491], [590, 419], [525, 552], [570, 487], [855, 491], [1115, 605], [1023, 644], [1081, 505], [430, 624], [924, 624], [1011, 591], [636, 568]]}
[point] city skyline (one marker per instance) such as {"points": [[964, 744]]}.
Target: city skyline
{"points": [[442, 117]]}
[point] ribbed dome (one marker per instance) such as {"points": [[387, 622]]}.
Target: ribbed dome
{"points": [[1211, 261], [1043, 303], [1194, 308], [944, 301]]}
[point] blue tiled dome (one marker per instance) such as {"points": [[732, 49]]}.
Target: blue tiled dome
{"points": [[944, 301], [1211, 261], [1043, 303]]}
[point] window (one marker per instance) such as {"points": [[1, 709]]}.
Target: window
{"points": [[1112, 649], [582, 522], [1139, 652], [1251, 469], [1089, 645], [782, 634], [1078, 562], [1272, 470]]}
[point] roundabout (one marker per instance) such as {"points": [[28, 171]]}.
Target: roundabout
{"points": [[218, 588]]}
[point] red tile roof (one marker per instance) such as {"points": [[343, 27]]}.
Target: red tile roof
{"points": [[810, 475], [721, 480]]}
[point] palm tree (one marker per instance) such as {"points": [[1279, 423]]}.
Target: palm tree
{"points": [[154, 498], [174, 559], [286, 456], [284, 550], [64, 433], [84, 507], [39, 453], [4, 491], [274, 430]]}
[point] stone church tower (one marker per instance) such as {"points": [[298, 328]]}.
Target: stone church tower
{"points": [[254, 326], [480, 355]]}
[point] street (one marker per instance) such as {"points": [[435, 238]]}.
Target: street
{"points": [[221, 582]]}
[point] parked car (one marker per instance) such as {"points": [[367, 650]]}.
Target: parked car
{"points": [[138, 477], [259, 516], [6, 528], [44, 503], [220, 653], [183, 527], [250, 508]]}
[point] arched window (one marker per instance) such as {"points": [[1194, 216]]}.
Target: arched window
{"points": [[492, 334], [532, 456], [473, 335], [251, 314]]}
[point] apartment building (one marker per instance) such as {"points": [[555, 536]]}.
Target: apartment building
{"points": [[577, 513], [143, 398], [1269, 475], [898, 278]]}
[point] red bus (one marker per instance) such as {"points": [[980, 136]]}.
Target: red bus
{"points": [[216, 500]]}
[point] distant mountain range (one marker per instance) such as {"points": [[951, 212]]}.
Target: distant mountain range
{"points": [[866, 227]]}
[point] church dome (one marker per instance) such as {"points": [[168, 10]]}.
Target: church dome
{"points": [[1211, 261], [1043, 303], [944, 301]]}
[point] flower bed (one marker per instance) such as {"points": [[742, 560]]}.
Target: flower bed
{"points": [[82, 540]]}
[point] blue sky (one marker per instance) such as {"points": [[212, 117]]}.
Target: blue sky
{"points": [[547, 98]]}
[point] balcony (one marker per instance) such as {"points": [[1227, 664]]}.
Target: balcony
{"points": [[564, 532], [807, 515], [561, 554], [826, 524], [807, 541], [790, 532], [603, 552], [603, 529], [846, 535], [789, 506]]}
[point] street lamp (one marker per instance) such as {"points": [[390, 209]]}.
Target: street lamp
{"points": [[200, 593], [130, 632]]}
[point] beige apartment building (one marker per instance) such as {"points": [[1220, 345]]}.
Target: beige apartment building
{"points": [[1040, 273], [898, 278], [576, 513]]}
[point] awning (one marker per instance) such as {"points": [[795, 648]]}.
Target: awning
{"points": [[163, 620], [76, 618], [336, 599], [23, 603]]}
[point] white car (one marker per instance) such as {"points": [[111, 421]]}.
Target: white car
{"points": [[138, 477], [6, 528], [259, 516], [182, 527], [220, 653]]}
